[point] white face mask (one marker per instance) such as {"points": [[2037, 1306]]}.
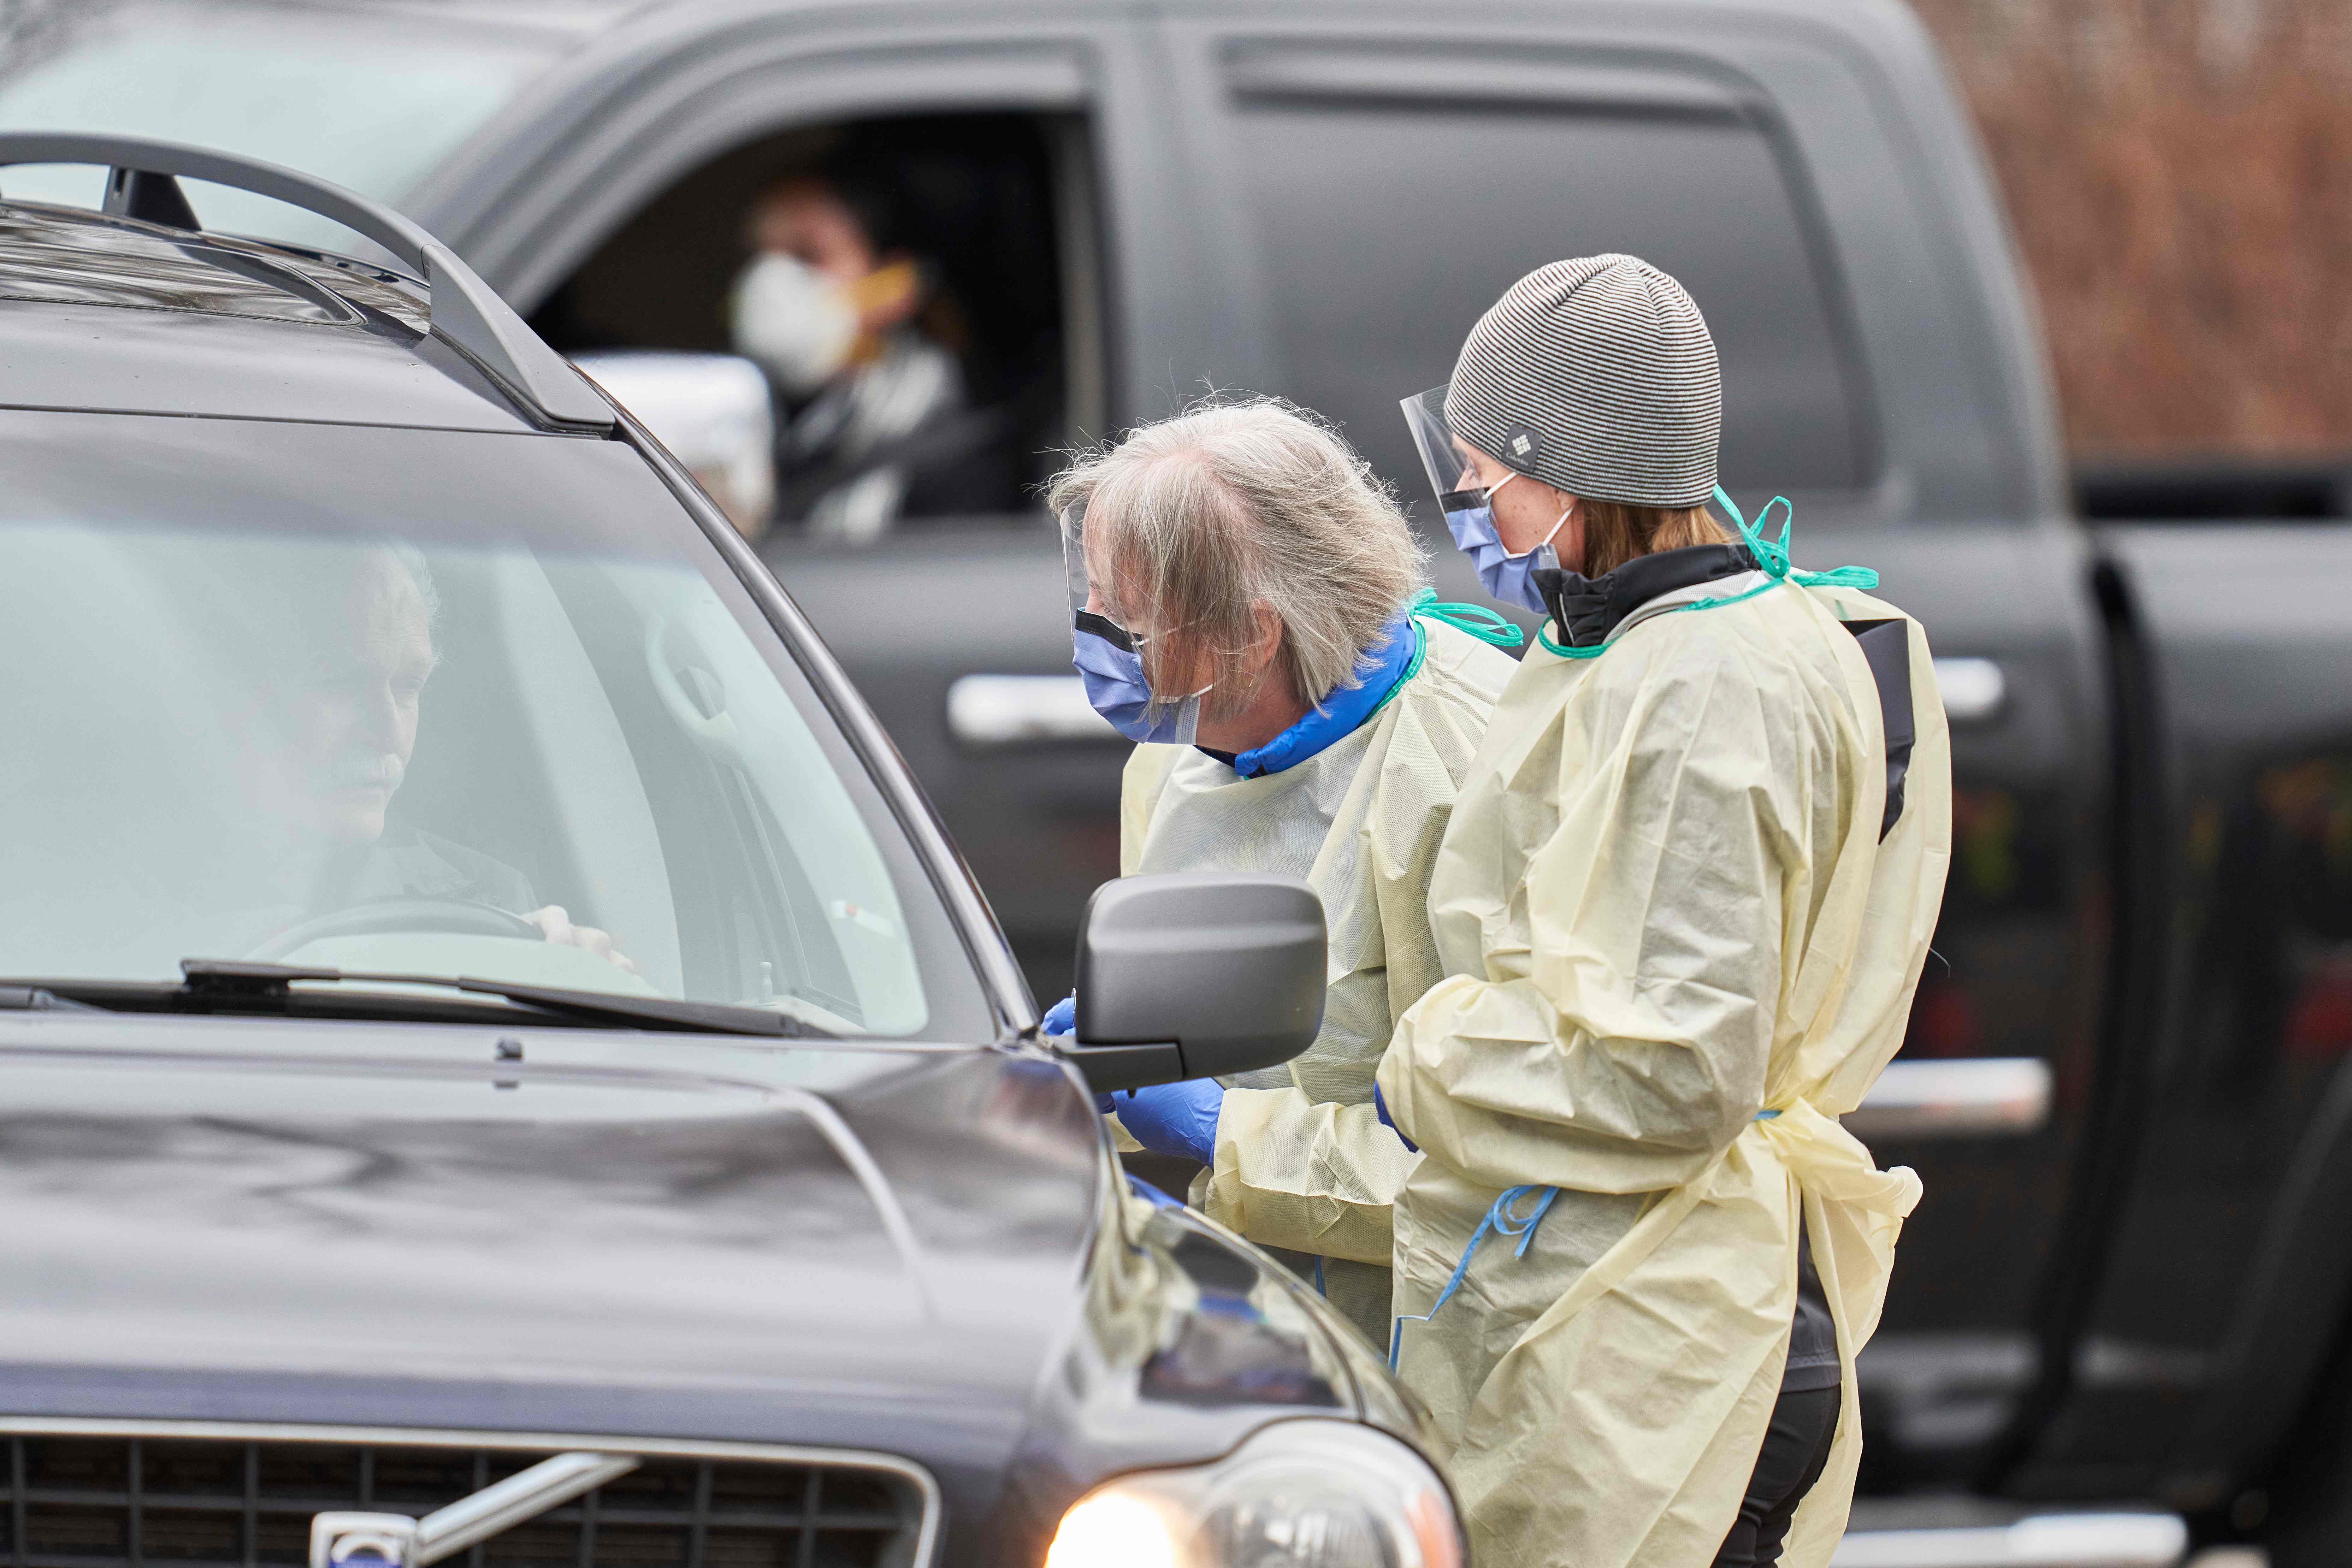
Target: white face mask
{"points": [[796, 325]]}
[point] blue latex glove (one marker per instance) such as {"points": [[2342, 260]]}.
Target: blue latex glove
{"points": [[1177, 1119], [1381, 1108]]}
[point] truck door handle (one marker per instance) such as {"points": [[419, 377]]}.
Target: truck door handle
{"points": [[1975, 689], [996, 710], [1960, 1097], [1044, 710]]}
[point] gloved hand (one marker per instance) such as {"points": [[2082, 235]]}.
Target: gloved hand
{"points": [[1062, 1018], [1177, 1119]]}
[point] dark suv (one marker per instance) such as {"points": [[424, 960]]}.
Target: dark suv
{"points": [[498, 1057]]}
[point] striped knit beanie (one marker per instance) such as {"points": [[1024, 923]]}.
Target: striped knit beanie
{"points": [[1596, 376]]}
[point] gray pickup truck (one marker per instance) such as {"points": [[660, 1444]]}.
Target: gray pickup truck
{"points": [[2129, 1081]]}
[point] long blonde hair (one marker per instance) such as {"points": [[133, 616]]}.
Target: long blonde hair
{"points": [[1618, 531]]}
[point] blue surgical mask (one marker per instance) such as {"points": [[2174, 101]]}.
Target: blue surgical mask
{"points": [[1505, 575], [1118, 691]]}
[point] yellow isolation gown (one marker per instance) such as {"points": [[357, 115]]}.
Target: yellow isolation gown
{"points": [[1676, 949], [1303, 1162]]}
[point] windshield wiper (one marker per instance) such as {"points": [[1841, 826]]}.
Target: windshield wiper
{"points": [[233, 981], [37, 999], [235, 977]]}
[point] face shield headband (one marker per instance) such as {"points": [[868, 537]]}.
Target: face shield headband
{"points": [[1469, 507], [1109, 654]]}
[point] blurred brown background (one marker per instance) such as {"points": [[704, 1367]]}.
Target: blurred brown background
{"points": [[2178, 175]]}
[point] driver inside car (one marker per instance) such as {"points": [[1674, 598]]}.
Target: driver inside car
{"points": [[328, 742]]}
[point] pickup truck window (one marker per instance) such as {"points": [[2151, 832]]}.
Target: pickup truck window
{"points": [[429, 703], [1416, 216], [985, 355]]}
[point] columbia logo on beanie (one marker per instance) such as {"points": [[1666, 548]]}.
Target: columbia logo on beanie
{"points": [[1596, 375]]}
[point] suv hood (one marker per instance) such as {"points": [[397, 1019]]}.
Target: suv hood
{"points": [[644, 1233]]}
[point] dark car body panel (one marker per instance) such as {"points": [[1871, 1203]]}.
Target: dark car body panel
{"points": [[340, 1201], [898, 1250]]}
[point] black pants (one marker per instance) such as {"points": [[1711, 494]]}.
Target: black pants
{"points": [[1796, 1448]]}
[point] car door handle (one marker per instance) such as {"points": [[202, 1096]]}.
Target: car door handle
{"points": [[996, 710], [1975, 689], [1962, 1097]]}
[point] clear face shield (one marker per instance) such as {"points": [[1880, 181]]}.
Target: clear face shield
{"points": [[1111, 647], [1453, 476], [1468, 505]]}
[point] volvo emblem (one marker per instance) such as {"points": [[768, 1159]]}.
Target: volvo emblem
{"points": [[362, 1541]]}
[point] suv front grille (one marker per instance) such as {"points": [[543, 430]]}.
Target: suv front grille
{"points": [[164, 1501]]}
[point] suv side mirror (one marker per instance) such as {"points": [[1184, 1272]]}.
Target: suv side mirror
{"points": [[1197, 974]]}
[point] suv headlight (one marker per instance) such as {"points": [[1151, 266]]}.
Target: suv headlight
{"points": [[1299, 1494]]}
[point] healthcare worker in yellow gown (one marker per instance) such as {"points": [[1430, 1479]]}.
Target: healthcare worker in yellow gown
{"points": [[1243, 559], [1682, 905]]}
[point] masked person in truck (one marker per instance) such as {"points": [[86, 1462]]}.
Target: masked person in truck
{"points": [[843, 309]]}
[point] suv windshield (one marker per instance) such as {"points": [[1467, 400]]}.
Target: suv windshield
{"points": [[433, 703], [370, 96]]}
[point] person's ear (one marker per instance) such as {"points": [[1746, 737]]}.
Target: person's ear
{"points": [[1265, 638], [1266, 631], [1567, 543]]}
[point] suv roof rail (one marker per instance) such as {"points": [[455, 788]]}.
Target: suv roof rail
{"points": [[466, 313]]}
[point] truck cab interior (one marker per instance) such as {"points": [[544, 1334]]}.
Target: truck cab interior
{"points": [[975, 221]]}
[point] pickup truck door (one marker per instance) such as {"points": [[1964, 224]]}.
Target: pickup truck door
{"points": [[946, 627], [1384, 173], [2222, 1289]]}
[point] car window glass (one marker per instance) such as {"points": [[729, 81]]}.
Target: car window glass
{"points": [[390, 700], [851, 332], [372, 101], [1384, 232]]}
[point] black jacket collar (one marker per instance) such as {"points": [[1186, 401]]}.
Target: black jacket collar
{"points": [[1586, 611]]}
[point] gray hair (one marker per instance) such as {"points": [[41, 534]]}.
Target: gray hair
{"points": [[1232, 505], [409, 556]]}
